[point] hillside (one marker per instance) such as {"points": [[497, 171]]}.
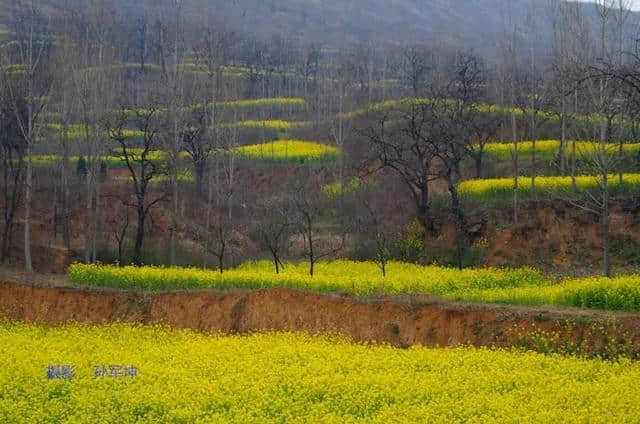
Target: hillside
{"points": [[474, 24]]}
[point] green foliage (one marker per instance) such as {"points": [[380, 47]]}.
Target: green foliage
{"points": [[599, 341], [410, 244], [81, 167]]}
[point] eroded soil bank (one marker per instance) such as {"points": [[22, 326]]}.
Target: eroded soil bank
{"points": [[400, 321]]}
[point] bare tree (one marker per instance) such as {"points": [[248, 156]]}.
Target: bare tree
{"points": [[372, 220], [273, 228], [119, 224], [454, 109], [486, 128], [220, 225], [310, 207], [142, 166], [31, 49], [12, 149], [408, 149], [415, 68]]}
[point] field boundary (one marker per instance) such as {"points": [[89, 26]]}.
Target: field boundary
{"points": [[401, 321]]}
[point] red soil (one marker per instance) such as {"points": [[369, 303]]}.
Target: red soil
{"points": [[400, 321]]}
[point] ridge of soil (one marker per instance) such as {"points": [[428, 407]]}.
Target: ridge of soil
{"points": [[401, 321]]}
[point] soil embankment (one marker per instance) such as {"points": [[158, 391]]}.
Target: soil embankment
{"points": [[400, 321]]}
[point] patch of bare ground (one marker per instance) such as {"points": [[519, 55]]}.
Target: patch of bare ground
{"points": [[399, 321]]}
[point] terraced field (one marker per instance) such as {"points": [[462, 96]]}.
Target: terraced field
{"points": [[548, 149], [290, 151], [500, 189], [516, 286], [126, 374], [274, 124]]}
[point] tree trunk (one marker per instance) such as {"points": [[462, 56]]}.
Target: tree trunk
{"points": [[120, 262], [312, 257], [96, 225], [479, 165], [137, 250], [174, 215], [534, 169], [424, 211], [516, 170], [87, 220], [563, 139], [276, 260], [458, 217], [200, 167], [28, 266], [606, 262], [66, 191]]}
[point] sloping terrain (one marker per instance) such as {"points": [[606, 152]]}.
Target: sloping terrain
{"points": [[399, 321]]}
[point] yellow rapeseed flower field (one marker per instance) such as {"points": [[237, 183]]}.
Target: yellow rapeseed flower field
{"points": [[187, 377], [547, 149], [275, 124], [502, 188], [517, 286], [290, 151]]}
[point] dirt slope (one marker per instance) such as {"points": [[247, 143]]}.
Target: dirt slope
{"points": [[400, 321]]}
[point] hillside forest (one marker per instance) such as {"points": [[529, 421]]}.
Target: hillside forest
{"points": [[157, 134]]}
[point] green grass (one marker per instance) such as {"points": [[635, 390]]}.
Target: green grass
{"points": [[622, 293]]}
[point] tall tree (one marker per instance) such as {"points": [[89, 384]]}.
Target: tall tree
{"points": [[30, 51]]}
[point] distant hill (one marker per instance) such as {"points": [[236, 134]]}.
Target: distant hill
{"points": [[476, 24]]}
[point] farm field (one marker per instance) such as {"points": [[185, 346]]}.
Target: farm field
{"points": [[517, 286], [548, 149], [276, 377], [292, 103], [500, 189], [273, 124], [290, 151], [286, 151], [312, 211]]}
